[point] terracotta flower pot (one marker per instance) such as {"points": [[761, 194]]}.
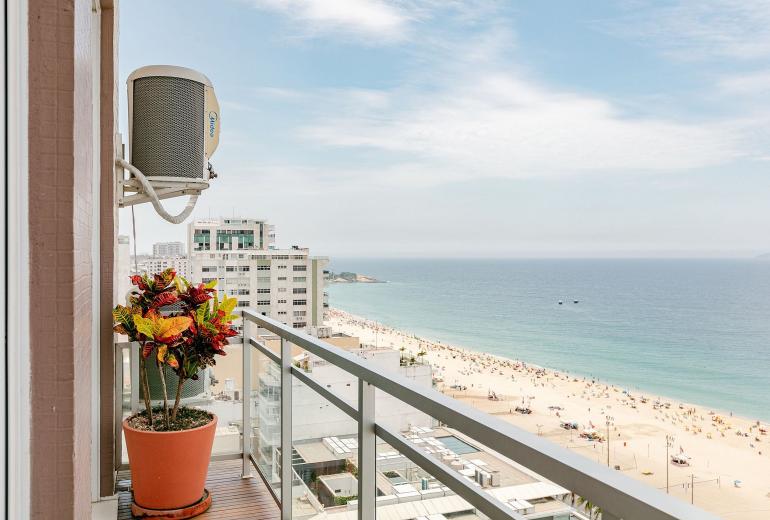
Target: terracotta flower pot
{"points": [[168, 469]]}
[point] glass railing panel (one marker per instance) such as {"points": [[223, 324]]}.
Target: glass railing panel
{"points": [[265, 388], [401, 482], [403, 485], [324, 454], [125, 386], [221, 393], [324, 441]]}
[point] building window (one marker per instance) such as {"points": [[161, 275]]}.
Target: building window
{"points": [[243, 303], [244, 268], [263, 268], [230, 268], [299, 314], [207, 280], [263, 302], [263, 291], [300, 268], [299, 290], [282, 289], [243, 292], [281, 257], [298, 257], [299, 302], [281, 313], [209, 269], [281, 301], [299, 324], [281, 267], [281, 278], [300, 279]]}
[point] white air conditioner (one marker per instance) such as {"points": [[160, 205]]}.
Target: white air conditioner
{"points": [[173, 130]]}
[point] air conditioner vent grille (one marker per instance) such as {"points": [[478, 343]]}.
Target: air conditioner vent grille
{"points": [[168, 127]]}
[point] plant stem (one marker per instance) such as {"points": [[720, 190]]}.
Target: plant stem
{"points": [[165, 393], [145, 387], [179, 386]]}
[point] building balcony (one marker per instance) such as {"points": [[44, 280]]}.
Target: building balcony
{"points": [[356, 455]]}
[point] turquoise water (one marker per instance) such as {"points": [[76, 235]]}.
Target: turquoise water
{"points": [[695, 330]]}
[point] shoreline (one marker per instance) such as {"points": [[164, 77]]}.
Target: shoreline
{"points": [[597, 380], [636, 431]]}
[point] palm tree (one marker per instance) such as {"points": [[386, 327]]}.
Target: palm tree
{"points": [[594, 511]]}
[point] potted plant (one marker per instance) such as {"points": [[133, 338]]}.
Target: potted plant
{"points": [[180, 327]]}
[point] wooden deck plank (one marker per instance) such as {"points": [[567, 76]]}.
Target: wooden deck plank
{"points": [[234, 498]]}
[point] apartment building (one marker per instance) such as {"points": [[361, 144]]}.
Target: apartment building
{"points": [[156, 264], [168, 249], [285, 284]]}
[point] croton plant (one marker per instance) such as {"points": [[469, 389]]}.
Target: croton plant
{"points": [[184, 340]]}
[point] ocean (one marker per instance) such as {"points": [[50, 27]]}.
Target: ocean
{"points": [[694, 330]]}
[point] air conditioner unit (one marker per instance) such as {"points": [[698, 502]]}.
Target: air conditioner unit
{"points": [[173, 130], [194, 392]]}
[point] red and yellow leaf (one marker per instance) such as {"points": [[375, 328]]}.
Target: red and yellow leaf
{"points": [[165, 298], [147, 349], [166, 329]]}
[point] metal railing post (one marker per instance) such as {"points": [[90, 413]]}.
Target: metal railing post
{"points": [[246, 399], [134, 357], [286, 468], [367, 456]]}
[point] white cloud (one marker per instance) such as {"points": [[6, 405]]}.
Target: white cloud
{"points": [[496, 124], [697, 29], [372, 17], [376, 21], [755, 83]]}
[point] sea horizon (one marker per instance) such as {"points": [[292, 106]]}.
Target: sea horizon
{"points": [[685, 329]]}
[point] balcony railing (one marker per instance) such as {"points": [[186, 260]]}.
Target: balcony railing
{"points": [[268, 352], [619, 496]]}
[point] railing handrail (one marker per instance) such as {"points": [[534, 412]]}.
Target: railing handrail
{"points": [[618, 495]]}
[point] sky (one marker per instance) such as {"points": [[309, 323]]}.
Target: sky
{"points": [[478, 128]]}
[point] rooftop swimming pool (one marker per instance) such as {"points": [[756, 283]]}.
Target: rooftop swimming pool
{"points": [[457, 445]]}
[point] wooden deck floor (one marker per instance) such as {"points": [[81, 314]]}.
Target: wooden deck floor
{"points": [[234, 498]]}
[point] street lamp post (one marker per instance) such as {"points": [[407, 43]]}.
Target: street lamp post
{"points": [[669, 444], [692, 488], [608, 421]]}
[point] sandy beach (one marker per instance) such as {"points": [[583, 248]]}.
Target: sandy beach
{"points": [[729, 456]]}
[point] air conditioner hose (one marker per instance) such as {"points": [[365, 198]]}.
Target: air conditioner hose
{"points": [[150, 191]]}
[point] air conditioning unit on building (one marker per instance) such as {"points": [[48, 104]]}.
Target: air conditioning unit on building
{"points": [[173, 130]]}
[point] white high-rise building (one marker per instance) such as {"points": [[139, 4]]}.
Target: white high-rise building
{"points": [[168, 249], [155, 264], [285, 284]]}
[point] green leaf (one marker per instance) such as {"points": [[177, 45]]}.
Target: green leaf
{"points": [[211, 284], [200, 313], [228, 304], [121, 314], [144, 325]]}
